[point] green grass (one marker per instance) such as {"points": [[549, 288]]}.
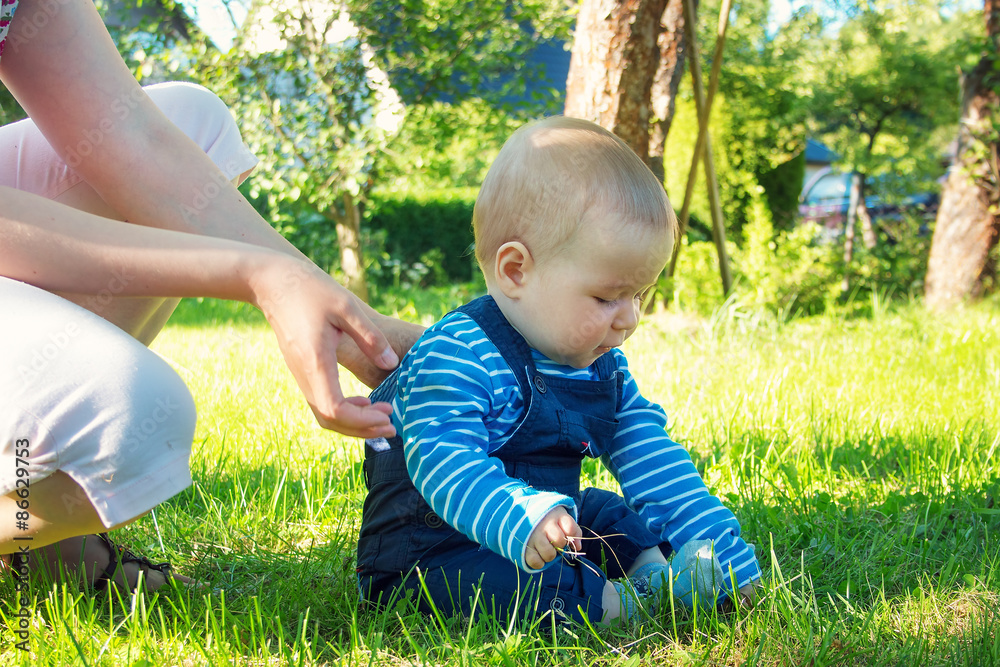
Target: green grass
{"points": [[860, 456]]}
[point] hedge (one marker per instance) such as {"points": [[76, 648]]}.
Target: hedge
{"points": [[415, 223]]}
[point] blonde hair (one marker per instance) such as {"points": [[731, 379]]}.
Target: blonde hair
{"points": [[551, 177]]}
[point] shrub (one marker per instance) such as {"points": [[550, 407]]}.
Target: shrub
{"points": [[896, 267], [431, 229], [782, 188], [789, 272], [696, 285]]}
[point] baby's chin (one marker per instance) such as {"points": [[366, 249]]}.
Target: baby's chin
{"points": [[574, 358], [580, 362]]}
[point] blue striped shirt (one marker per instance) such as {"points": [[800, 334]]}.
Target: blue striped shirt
{"points": [[459, 401]]}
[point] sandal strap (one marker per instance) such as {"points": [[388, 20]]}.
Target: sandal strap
{"points": [[119, 555], [17, 562]]}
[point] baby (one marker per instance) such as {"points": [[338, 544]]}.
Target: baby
{"points": [[477, 501]]}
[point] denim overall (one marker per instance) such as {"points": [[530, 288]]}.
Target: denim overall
{"points": [[564, 421]]}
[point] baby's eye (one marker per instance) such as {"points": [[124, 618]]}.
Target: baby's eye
{"points": [[606, 302]]}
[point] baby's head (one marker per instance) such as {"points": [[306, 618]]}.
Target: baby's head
{"points": [[554, 177], [571, 229]]}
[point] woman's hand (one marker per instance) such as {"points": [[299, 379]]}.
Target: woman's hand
{"points": [[401, 336], [310, 313]]}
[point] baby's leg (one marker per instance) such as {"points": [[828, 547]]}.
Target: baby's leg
{"points": [[472, 581], [617, 538], [620, 604], [650, 555], [614, 535], [620, 601]]}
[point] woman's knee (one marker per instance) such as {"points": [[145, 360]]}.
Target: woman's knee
{"points": [[160, 410], [144, 455], [129, 403], [206, 119]]}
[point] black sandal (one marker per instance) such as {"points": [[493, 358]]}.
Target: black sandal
{"points": [[119, 555], [17, 565]]}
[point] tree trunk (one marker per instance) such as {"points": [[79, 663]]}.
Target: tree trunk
{"points": [[614, 61], [349, 239], [867, 227], [857, 184], [666, 81], [967, 225]]}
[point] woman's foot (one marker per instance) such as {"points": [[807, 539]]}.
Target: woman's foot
{"points": [[98, 563]]}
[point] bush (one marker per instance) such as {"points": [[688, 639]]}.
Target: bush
{"points": [[782, 188], [696, 285], [896, 267], [409, 241], [432, 229], [788, 273], [442, 145], [801, 272]]}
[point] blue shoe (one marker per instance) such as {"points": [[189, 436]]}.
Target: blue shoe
{"points": [[630, 601], [694, 575]]}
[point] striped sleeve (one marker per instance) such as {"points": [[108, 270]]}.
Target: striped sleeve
{"points": [[453, 401], [661, 484]]}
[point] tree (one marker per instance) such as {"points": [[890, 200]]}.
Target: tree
{"points": [[967, 223], [313, 84], [762, 113], [882, 86], [666, 82], [620, 50], [451, 50]]}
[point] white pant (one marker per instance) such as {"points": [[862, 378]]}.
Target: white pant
{"points": [[77, 392]]}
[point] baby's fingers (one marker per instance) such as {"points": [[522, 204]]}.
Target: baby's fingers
{"points": [[571, 529], [533, 559], [545, 549]]}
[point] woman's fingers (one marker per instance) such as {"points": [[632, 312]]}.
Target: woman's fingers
{"points": [[362, 421], [369, 338], [309, 314]]}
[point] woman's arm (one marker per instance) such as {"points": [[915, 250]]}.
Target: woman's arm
{"points": [[62, 66], [58, 248]]}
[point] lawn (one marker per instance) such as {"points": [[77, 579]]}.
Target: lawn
{"points": [[859, 454]]}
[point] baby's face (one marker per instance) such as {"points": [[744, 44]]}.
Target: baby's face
{"points": [[586, 298]]}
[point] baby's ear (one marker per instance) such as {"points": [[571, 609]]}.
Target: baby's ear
{"points": [[512, 268]]}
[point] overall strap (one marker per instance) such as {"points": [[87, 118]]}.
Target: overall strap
{"points": [[485, 312], [385, 392], [606, 367]]}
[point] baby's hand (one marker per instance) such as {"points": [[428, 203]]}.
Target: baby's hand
{"points": [[751, 593], [747, 597], [555, 531]]}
